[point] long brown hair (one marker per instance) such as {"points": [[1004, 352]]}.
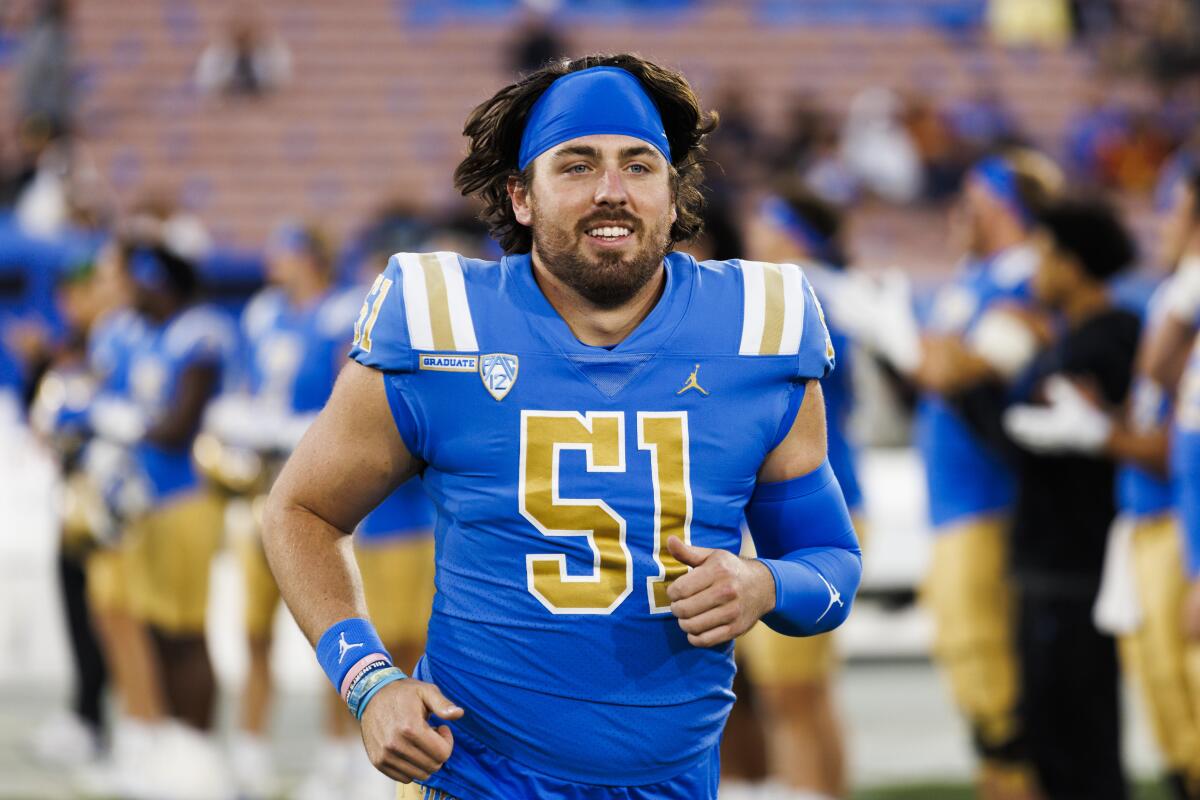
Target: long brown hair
{"points": [[494, 129]]}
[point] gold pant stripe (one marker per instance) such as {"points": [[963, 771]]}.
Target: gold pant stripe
{"points": [[970, 598], [1165, 666]]}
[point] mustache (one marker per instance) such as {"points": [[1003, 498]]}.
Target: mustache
{"points": [[623, 218]]}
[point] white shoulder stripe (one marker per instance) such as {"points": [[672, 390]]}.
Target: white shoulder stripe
{"points": [[793, 309], [753, 306], [773, 309], [416, 303], [456, 297]]}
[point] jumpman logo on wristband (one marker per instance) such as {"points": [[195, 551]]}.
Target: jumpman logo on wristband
{"points": [[345, 647], [834, 597]]}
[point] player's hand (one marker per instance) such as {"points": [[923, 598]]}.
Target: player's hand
{"points": [[1191, 612], [399, 739], [721, 597]]}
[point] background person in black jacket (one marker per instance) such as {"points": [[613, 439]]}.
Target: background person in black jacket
{"points": [[1065, 503]]}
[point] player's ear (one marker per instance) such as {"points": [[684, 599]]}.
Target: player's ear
{"points": [[518, 194]]}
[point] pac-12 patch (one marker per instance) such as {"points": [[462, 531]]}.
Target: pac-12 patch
{"points": [[498, 372], [449, 363]]}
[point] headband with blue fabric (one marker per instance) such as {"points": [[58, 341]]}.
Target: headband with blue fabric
{"points": [[997, 173], [599, 100]]}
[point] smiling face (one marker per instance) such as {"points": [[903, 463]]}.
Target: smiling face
{"points": [[601, 210]]}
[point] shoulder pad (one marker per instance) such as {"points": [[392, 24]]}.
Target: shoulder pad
{"points": [[336, 316], [261, 311], [782, 316], [200, 333], [418, 303]]}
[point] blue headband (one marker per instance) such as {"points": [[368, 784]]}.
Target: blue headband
{"points": [[147, 270], [997, 174], [589, 102], [291, 237], [819, 247]]}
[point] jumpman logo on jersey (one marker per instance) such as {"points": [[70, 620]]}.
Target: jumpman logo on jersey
{"points": [[345, 647], [834, 597], [692, 383]]}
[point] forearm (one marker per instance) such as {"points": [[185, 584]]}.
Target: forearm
{"points": [[314, 567], [804, 536], [1149, 450]]}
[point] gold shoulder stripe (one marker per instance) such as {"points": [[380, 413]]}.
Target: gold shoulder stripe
{"points": [[773, 296], [439, 304]]}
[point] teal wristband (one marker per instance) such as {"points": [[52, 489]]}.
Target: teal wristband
{"points": [[366, 688]]}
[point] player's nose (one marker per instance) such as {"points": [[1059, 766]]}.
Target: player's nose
{"points": [[610, 189]]}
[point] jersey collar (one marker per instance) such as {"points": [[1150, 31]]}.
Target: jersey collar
{"points": [[648, 337]]}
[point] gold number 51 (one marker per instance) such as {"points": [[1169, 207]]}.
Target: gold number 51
{"points": [[601, 436]]}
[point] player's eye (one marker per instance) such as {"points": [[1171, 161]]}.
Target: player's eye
{"points": [[577, 169], [638, 169]]}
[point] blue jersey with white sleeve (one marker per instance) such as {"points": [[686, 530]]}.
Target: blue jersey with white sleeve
{"points": [[196, 335], [111, 344], [558, 471], [293, 353], [1140, 492], [965, 478], [1185, 460]]}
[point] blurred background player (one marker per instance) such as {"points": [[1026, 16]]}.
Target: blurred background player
{"points": [[1181, 324], [792, 677], [1065, 502], [975, 332], [295, 335], [174, 527], [110, 493], [59, 415], [1144, 589]]}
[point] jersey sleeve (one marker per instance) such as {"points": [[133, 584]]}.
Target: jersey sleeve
{"points": [[381, 338], [781, 316], [816, 357], [202, 336], [418, 304]]}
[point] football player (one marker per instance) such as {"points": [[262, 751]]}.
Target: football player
{"points": [[792, 677], [979, 329], [592, 416], [173, 523], [1144, 589], [294, 333]]}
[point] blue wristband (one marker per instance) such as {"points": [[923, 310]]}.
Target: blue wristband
{"points": [[345, 645]]}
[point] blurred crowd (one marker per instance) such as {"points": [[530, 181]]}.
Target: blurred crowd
{"points": [[1057, 421]]}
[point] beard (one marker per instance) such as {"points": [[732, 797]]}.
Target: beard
{"points": [[609, 279]]}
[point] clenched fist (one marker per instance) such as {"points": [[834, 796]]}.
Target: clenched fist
{"points": [[721, 597], [399, 739]]}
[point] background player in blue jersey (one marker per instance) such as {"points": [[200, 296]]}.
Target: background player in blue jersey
{"points": [[593, 416], [173, 370], [977, 330], [792, 676], [294, 336]]}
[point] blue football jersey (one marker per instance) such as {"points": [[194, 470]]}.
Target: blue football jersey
{"points": [[112, 342], [559, 470], [292, 357], [1140, 492], [1185, 459], [196, 335], [838, 389], [964, 476], [293, 353]]}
